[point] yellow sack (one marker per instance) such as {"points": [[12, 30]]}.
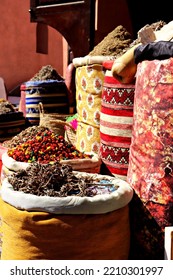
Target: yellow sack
{"points": [[88, 138], [89, 84], [40, 235]]}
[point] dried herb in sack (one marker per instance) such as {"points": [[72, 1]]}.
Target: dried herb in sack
{"points": [[56, 180]]}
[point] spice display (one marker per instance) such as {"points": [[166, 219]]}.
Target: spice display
{"points": [[46, 147], [119, 40], [23, 136], [47, 87], [57, 180], [47, 72], [144, 36], [114, 44]]}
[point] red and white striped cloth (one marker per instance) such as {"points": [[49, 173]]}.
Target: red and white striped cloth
{"points": [[116, 120]]}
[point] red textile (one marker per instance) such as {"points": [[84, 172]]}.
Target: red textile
{"points": [[150, 171], [116, 125]]}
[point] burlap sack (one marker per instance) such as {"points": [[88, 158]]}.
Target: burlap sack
{"points": [[66, 228], [39, 235], [89, 82]]}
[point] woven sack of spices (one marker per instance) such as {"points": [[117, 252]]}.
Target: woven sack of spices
{"points": [[150, 161], [47, 147], [52, 93], [116, 120], [89, 82], [41, 227]]}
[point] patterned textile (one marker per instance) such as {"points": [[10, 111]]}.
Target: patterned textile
{"points": [[150, 171], [89, 83], [52, 94], [116, 125]]}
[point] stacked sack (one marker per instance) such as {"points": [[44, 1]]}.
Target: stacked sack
{"points": [[90, 74], [47, 87], [46, 211], [116, 119], [89, 82]]}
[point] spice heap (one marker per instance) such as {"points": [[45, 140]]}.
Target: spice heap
{"points": [[119, 40], [114, 44], [24, 136], [56, 180], [46, 147], [47, 72]]}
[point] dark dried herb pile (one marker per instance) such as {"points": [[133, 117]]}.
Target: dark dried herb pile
{"points": [[53, 180]]}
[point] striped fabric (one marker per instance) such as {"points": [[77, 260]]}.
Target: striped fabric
{"points": [[116, 119], [52, 94]]}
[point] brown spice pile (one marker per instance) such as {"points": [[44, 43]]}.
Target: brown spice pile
{"points": [[119, 41], [114, 44], [53, 180], [47, 73]]}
